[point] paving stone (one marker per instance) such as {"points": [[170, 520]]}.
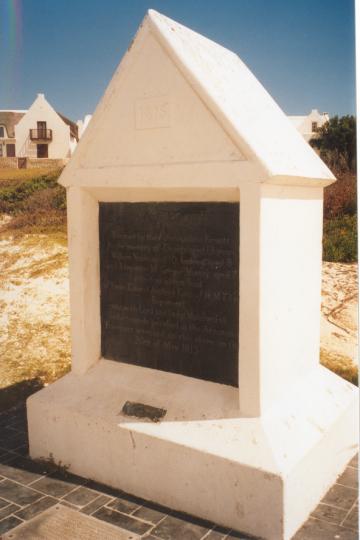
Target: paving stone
{"points": [[22, 450], [81, 496], [19, 424], [9, 509], [215, 535], [315, 529], [151, 512], [178, 528], [329, 513], [18, 494], [101, 500], [4, 420], [21, 470], [68, 505], [122, 520], [340, 496], [124, 505], [13, 442], [7, 456], [3, 503], [352, 519], [9, 523], [7, 433], [349, 478], [61, 523], [57, 487], [34, 509], [355, 461]]}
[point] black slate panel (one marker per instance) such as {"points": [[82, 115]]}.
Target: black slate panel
{"points": [[170, 287]]}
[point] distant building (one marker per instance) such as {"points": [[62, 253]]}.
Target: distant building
{"points": [[309, 125], [83, 124], [8, 121], [39, 132]]}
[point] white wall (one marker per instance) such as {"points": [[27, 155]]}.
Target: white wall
{"points": [[304, 126], [41, 110]]}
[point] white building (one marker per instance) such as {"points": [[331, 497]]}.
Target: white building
{"points": [[83, 124], [39, 132], [8, 121], [309, 125], [44, 133]]}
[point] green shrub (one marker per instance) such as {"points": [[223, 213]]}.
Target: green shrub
{"points": [[14, 193], [37, 203], [340, 239], [340, 197]]}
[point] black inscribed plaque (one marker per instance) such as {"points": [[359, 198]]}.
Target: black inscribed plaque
{"points": [[169, 277]]}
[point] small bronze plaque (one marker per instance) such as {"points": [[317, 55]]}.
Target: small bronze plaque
{"points": [[169, 275], [143, 411]]}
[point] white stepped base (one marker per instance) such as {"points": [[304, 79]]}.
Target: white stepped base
{"points": [[262, 475]]}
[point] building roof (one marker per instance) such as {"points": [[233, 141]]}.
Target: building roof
{"points": [[239, 102], [9, 119], [73, 126]]}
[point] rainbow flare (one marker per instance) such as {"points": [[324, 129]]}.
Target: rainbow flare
{"points": [[11, 46]]}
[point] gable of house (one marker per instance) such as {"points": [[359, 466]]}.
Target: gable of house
{"points": [[54, 137]]}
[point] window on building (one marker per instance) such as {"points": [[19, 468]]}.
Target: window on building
{"points": [[1, 150], [10, 150], [2, 132], [314, 126], [42, 150], [41, 127]]}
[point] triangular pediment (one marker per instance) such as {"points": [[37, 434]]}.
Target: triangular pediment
{"points": [[179, 98]]}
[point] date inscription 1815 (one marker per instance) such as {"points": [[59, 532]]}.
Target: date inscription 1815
{"points": [[169, 277]]}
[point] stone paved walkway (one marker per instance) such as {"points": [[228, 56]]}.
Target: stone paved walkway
{"points": [[28, 488]]}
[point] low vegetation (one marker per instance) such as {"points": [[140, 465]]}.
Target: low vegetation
{"points": [[340, 365], [35, 202], [336, 144]]}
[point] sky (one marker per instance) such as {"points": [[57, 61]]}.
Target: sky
{"points": [[302, 51]]}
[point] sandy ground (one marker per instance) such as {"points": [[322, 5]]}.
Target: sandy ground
{"points": [[34, 309], [339, 310], [34, 314]]}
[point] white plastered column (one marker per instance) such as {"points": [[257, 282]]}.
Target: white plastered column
{"points": [[290, 286], [83, 240], [280, 291]]}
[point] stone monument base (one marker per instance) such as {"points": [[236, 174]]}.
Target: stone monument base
{"points": [[262, 476]]}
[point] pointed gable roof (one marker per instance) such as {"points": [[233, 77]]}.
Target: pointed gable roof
{"points": [[240, 102], [235, 99]]}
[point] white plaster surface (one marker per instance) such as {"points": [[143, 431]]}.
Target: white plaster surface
{"points": [[203, 458], [304, 124]]}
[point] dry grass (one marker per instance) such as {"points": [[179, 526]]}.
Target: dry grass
{"points": [[341, 365], [22, 174]]}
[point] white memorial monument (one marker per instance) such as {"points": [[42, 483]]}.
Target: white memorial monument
{"points": [[184, 121]]}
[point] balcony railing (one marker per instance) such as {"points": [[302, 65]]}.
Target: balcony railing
{"points": [[41, 134]]}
